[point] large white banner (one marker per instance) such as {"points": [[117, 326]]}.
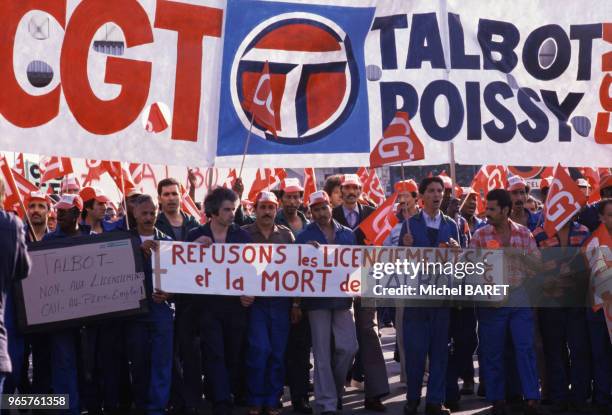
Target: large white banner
{"points": [[170, 82]]}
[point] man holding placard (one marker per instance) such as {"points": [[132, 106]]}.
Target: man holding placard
{"points": [[329, 316], [64, 376], [268, 321]]}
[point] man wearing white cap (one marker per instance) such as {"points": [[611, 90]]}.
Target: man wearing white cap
{"points": [[64, 376], [94, 208], [519, 191], [70, 185], [268, 321], [299, 343], [584, 186], [370, 358], [329, 316]]}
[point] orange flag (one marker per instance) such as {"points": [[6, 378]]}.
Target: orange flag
{"points": [[564, 200], [378, 225], [398, 144]]}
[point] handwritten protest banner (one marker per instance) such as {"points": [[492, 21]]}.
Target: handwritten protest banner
{"points": [[75, 280], [327, 271]]}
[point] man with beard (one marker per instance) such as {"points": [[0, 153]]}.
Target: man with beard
{"points": [[268, 320], [330, 318], [519, 191], [299, 343], [64, 375], [186, 394], [426, 328], [494, 324], [14, 265], [94, 208], [37, 208], [369, 362]]}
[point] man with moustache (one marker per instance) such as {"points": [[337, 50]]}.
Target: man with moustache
{"points": [[149, 337], [426, 328], [268, 321], [519, 192], [186, 394], [516, 318], [468, 211], [329, 317], [299, 342], [369, 359]]}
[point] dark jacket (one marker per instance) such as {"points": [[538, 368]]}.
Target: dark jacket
{"points": [[364, 212], [234, 235], [163, 224], [14, 265], [418, 229], [84, 230], [344, 236], [281, 219]]}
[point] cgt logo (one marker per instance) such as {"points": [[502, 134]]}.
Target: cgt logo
{"points": [[313, 75]]}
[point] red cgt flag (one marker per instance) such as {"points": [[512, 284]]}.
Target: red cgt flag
{"points": [[120, 175], [398, 144], [564, 200], [17, 188], [378, 225], [19, 165], [54, 168], [265, 179], [157, 120], [189, 207], [261, 107], [310, 184], [373, 188], [232, 176], [362, 172]]}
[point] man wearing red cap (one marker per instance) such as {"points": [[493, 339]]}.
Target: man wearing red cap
{"points": [[519, 191], [329, 316], [37, 209], [589, 216], [369, 363], [70, 185], [94, 208], [268, 320], [299, 343], [64, 376]]}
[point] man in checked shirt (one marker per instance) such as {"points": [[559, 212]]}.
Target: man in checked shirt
{"points": [[499, 232]]}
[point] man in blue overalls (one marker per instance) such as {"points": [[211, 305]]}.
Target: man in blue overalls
{"points": [[222, 319], [426, 329], [64, 375], [565, 327], [149, 338]]}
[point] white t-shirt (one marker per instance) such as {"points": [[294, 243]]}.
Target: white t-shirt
{"points": [[146, 237]]}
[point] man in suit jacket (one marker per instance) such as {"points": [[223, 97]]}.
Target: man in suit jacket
{"points": [[370, 356]]}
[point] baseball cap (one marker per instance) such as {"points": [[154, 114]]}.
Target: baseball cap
{"points": [[319, 196], [69, 201], [406, 186], [582, 182], [37, 195], [350, 179], [291, 185], [515, 183], [266, 197], [89, 193], [70, 183]]}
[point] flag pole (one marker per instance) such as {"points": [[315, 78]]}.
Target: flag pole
{"points": [[127, 219], [27, 218], [246, 145], [451, 149], [402, 167]]}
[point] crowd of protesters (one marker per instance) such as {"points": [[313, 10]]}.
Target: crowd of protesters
{"points": [[242, 351]]}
